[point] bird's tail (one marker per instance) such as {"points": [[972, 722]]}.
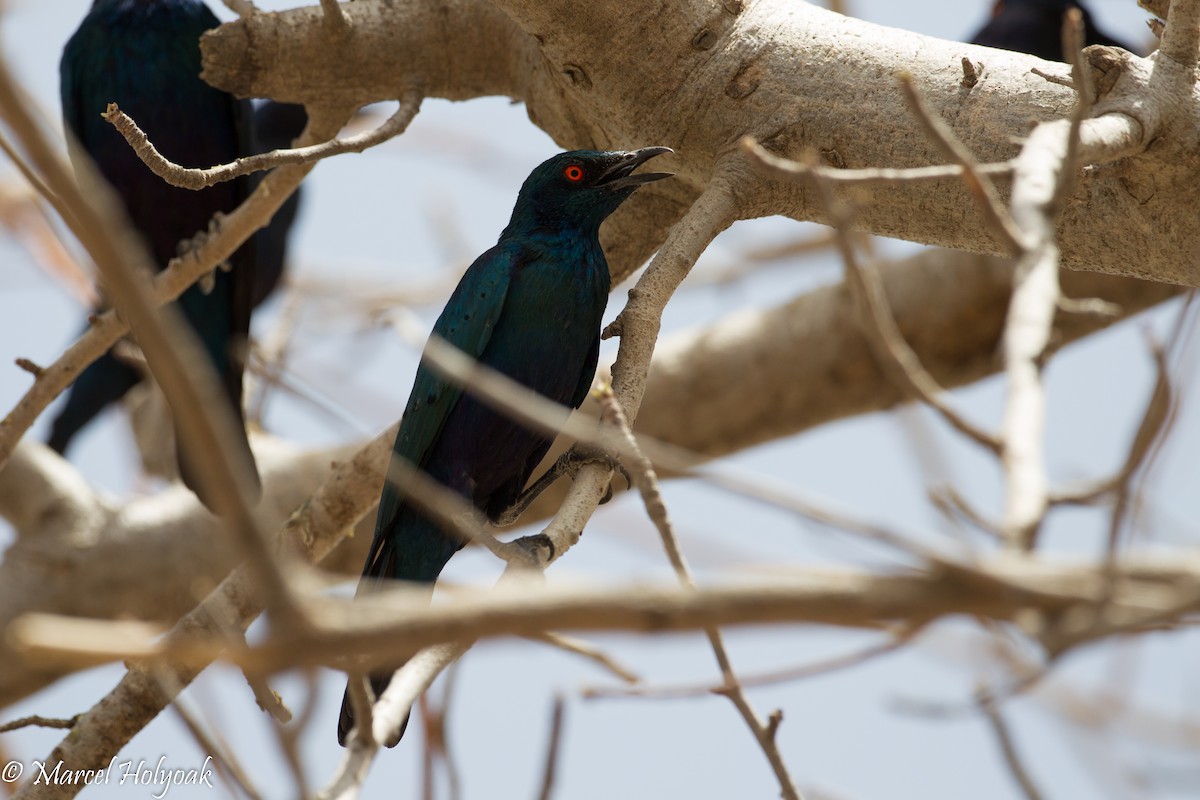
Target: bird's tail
{"points": [[412, 549], [378, 682]]}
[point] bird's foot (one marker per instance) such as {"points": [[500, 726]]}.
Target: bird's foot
{"points": [[581, 455], [568, 464]]}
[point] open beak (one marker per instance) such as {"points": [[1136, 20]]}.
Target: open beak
{"points": [[619, 175]]}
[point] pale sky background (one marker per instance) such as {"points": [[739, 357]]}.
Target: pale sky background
{"points": [[370, 219]]}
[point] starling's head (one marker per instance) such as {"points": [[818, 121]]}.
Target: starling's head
{"points": [[578, 189]]}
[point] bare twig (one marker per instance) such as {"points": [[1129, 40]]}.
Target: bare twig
{"points": [[550, 771], [288, 736], [1081, 76], [589, 651], [223, 759], [533, 410], [39, 722], [1156, 419], [647, 484], [273, 354], [949, 501], [1009, 749], [34, 179], [837, 664], [268, 699], [893, 354], [195, 178], [798, 170], [994, 214]]}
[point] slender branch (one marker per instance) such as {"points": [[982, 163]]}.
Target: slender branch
{"points": [[1155, 420], [589, 651], [268, 700], [1013, 759], [994, 215], [34, 179], [803, 672], [550, 770], [894, 355], [224, 760], [39, 722], [195, 178], [647, 484], [798, 170], [1081, 76]]}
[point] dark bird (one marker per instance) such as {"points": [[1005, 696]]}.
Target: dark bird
{"points": [[144, 55], [1035, 27], [531, 308], [276, 125]]}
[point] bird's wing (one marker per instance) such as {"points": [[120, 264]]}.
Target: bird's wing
{"points": [[587, 374], [467, 323]]}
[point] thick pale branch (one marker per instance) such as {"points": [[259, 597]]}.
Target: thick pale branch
{"points": [[740, 78]]}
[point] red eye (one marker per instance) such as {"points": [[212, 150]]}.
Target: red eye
{"points": [[573, 173]]}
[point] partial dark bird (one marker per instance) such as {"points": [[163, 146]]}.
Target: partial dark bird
{"points": [[276, 125], [530, 307], [1035, 27], [144, 55]]}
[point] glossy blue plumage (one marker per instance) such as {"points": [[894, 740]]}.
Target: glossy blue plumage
{"points": [[144, 55], [531, 308]]}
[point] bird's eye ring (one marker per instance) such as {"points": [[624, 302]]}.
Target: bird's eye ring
{"points": [[573, 173]]}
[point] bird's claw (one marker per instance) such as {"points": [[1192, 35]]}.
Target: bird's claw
{"points": [[581, 455]]}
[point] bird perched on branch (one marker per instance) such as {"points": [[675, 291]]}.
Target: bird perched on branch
{"points": [[1035, 27], [144, 55], [530, 308]]}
